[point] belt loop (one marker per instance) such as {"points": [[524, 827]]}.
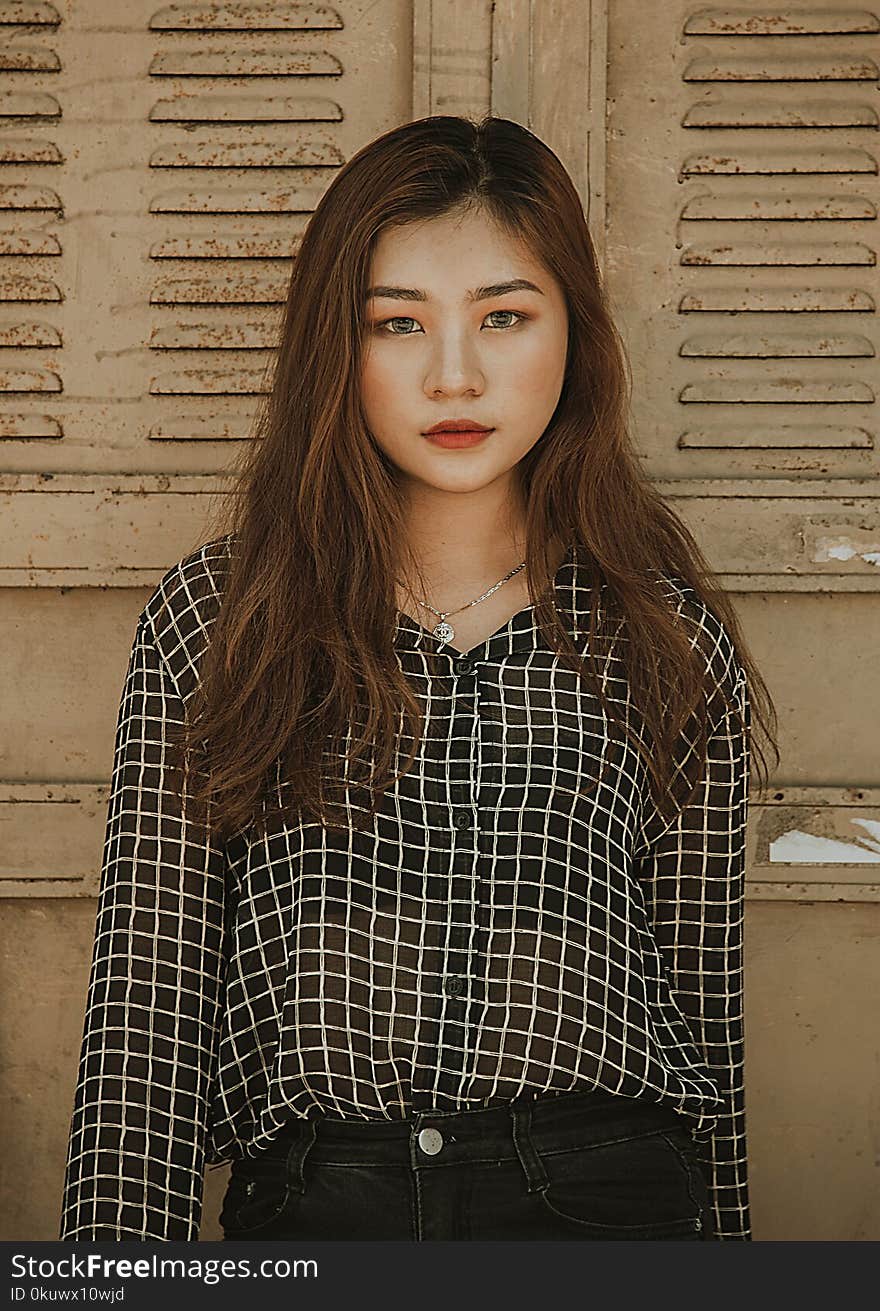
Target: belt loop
{"points": [[299, 1149], [521, 1114]]}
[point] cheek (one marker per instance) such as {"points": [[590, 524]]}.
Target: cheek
{"points": [[538, 358], [535, 380], [380, 382]]}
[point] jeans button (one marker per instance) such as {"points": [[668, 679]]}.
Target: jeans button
{"points": [[430, 1141]]}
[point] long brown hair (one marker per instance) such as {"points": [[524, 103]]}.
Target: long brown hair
{"points": [[301, 652]]}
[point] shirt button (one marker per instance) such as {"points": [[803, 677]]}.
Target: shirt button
{"points": [[462, 819], [430, 1141], [454, 986], [464, 666]]}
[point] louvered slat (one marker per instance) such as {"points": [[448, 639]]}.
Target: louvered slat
{"points": [[745, 132], [286, 169]]}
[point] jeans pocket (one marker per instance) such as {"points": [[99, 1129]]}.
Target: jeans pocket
{"points": [[256, 1198], [635, 1188]]}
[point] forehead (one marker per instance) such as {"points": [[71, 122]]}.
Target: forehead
{"points": [[458, 244]]}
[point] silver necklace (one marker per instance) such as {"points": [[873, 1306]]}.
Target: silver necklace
{"points": [[444, 630]]}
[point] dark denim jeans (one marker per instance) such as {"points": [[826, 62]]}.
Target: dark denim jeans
{"points": [[589, 1165]]}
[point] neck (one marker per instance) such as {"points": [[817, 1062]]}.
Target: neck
{"points": [[463, 543], [461, 539]]}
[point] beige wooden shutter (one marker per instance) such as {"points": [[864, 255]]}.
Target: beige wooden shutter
{"points": [[158, 164], [157, 171], [741, 252], [750, 140], [727, 161], [234, 199]]}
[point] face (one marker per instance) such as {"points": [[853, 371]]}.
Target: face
{"points": [[445, 340]]}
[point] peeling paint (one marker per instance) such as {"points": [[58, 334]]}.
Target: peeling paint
{"points": [[844, 547], [800, 848]]}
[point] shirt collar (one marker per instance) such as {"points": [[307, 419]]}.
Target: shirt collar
{"points": [[519, 633]]}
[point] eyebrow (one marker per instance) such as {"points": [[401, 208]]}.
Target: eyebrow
{"points": [[478, 293]]}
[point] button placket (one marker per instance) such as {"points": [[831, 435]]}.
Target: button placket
{"points": [[453, 1057]]}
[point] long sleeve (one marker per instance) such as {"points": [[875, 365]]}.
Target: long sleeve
{"points": [[138, 1131], [693, 877]]}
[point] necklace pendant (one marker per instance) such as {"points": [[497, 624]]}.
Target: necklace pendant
{"points": [[444, 631]]}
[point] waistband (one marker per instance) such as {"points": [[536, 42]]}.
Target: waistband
{"points": [[556, 1121]]}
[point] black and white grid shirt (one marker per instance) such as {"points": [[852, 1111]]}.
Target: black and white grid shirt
{"points": [[490, 934]]}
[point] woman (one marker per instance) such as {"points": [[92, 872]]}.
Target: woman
{"points": [[489, 984]]}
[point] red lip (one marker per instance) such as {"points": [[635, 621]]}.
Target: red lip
{"points": [[456, 425], [460, 437]]}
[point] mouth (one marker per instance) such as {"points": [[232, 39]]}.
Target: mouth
{"points": [[455, 437]]}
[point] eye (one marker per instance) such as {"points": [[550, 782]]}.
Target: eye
{"points": [[515, 313], [399, 318], [385, 324]]}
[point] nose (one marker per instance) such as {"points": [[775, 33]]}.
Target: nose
{"points": [[454, 368]]}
